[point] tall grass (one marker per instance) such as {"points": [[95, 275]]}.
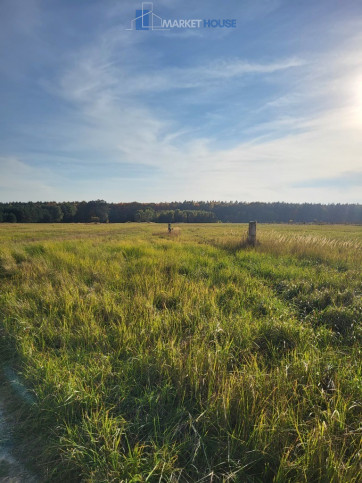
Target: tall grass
{"points": [[189, 357]]}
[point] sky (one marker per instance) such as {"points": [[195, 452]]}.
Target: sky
{"points": [[92, 108]]}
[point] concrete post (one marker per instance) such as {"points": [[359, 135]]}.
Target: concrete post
{"points": [[252, 233]]}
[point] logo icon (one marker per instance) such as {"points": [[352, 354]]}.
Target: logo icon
{"points": [[145, 19]]}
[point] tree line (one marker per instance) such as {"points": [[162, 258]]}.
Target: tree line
{"points": [[184, 212]]}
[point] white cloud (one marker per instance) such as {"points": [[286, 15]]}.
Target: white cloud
{"points": [[300, 139]]}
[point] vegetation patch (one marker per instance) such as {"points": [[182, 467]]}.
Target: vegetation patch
{"points": [[157, 358]]}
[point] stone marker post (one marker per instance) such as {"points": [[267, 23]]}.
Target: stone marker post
{"points": [[252, 233]]}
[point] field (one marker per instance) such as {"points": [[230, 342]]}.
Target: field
{"points": [[128, 354]]}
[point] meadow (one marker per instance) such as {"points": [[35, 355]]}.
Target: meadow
{"points": [[130, 354]]}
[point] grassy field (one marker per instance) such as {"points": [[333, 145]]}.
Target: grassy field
{"points": [[185, 357]]}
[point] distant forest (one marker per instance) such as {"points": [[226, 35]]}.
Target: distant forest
{"points": [[175, 212]]}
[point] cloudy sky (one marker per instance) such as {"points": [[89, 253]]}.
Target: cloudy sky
{"points": [[268, 111]]}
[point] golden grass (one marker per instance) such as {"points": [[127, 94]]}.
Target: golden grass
{"points": [[186, 357]]}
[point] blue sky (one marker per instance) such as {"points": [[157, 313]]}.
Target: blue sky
{"points": [[268, 111]]}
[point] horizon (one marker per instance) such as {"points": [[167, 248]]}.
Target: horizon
{"points": [[269, 109], [176, 202]]}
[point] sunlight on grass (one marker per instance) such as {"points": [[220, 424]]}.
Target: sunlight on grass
{"points": [[187, 357]]}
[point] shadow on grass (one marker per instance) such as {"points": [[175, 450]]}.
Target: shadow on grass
{"points": [[23, 439]]}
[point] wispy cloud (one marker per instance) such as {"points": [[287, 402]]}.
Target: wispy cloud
{"points": [[343, 181], [219, 71], [127, 131], [129, 123]]}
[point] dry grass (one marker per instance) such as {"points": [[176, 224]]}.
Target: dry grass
{"points": [[186, 357]]}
